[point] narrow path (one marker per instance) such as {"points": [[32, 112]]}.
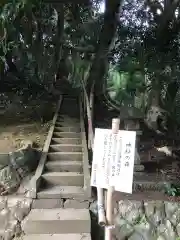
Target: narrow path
{"points": [[62, 180]]}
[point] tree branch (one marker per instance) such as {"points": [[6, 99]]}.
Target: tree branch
{"points": [[163, 31], [154, 6], [167, 16], [59, 35], [107, 33]]}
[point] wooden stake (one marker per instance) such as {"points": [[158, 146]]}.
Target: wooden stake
{"points": [[109, 207], [101, 211]]}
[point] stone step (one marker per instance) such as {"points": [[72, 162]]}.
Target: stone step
{"points": [[74, 114], [68, 106], [64, 166], [67, 98], [57, 221], [66, 135], [68, 118], [81, 236], [67, 129], [67, 124], [66, 141], [47, 203], [65, 148], [59, 203], [69, 156], [55, 192], [64, 178], [71, 103], [68, 115]]}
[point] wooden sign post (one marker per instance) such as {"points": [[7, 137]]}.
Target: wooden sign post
{"points": [[110, 190], [113, 165]]}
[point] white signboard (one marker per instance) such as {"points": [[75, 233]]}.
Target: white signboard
{"points": [[113, 159]]}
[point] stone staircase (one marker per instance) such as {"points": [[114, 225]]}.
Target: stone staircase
{"points": [[62, 180]]}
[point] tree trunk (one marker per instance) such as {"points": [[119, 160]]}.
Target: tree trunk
{"points": [[59, 35], [107, 33], [171, 92], [38, 45], [12, 67]]}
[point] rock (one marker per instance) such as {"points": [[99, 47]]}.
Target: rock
{"points": [[175, 218], [154, 211], [178, 229], [3, 203], [118, 221], [13, 201], [149, 220], [149, 208], [123, 232], [16, 165], [11, 230], [130, 210], [21, 209], [137, 236], [14, 211], [4, 217], [145, 229], [25, 159], [161, 238], [4, 160], [166, 230], [25, 185], [170, 208], [9, 180]]}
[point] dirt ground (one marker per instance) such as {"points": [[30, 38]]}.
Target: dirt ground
{"points": [[19, 121], [12, 135]]}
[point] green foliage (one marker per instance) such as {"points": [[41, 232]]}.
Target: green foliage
{"points": [[29, 36], [78, 70], [28, 30], [123, 87], [171, 190], [12, 15]]}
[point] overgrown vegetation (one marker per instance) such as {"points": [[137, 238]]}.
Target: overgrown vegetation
{"points": [[128, 54], [172, 190]]}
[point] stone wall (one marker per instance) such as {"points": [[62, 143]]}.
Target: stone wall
{"points": [[145, 220], [133, 219], [12, 212]]}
